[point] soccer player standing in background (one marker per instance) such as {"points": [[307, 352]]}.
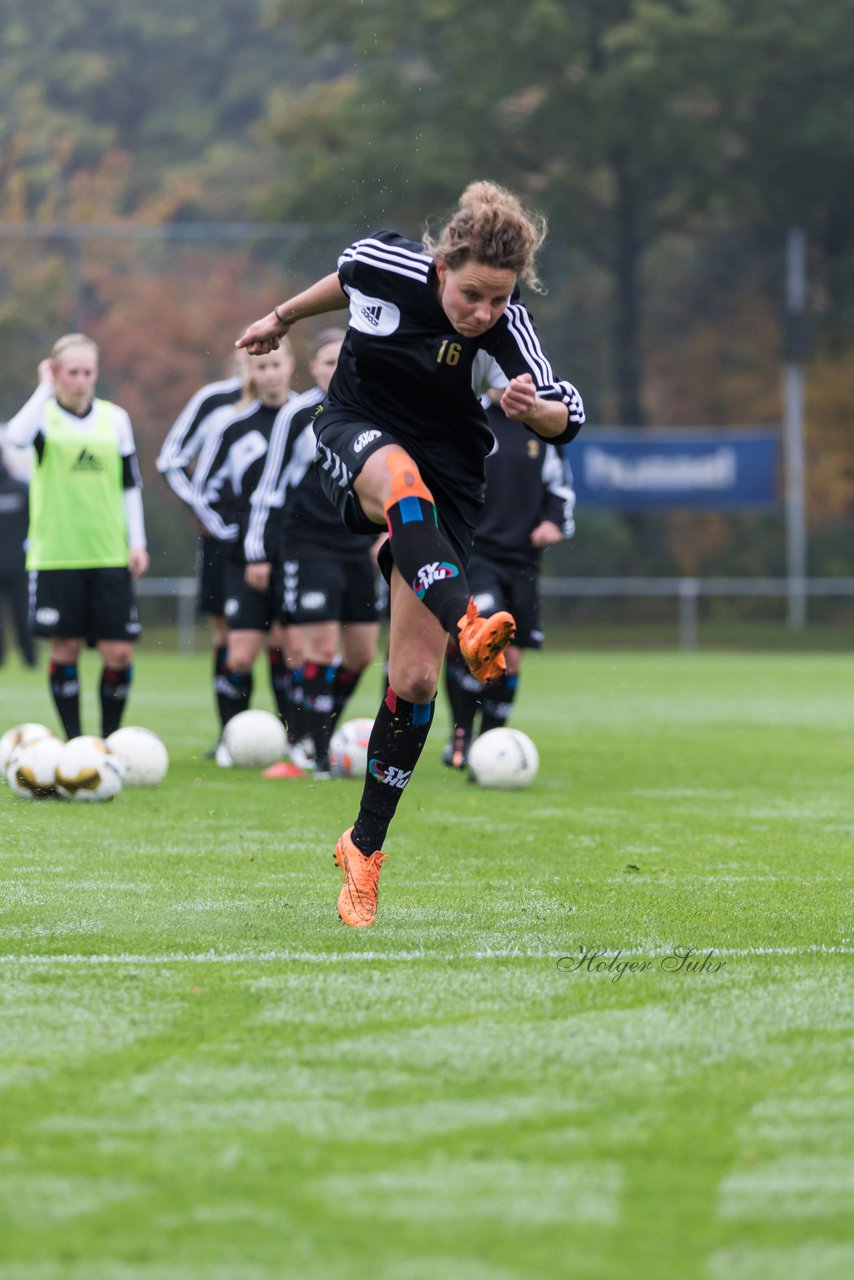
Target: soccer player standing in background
{"points": [[402, 440], [179, 452], [87, 534], [14, 523], [229, 468], [529, 506], [326, 577]]}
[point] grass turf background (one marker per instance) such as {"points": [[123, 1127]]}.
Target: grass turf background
{"points": [[204, 1076]]}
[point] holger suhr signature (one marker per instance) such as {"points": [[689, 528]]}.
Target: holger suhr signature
{"points": [[680, 960]]}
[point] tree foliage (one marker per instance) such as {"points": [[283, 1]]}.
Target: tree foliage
{"points": [[623, 119], [653, 133]]}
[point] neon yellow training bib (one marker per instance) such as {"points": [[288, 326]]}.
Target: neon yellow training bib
{"points": [[77, 518]]}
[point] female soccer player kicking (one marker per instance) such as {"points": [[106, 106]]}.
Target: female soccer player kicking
{"points": [[402, 440]]}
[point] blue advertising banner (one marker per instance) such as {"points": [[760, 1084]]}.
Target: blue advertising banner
{"points": [[714, 470]]}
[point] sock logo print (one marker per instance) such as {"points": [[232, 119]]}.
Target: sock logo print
{"points": [[389, 774], [430, 573]]}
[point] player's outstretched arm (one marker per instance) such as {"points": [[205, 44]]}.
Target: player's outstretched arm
{"points": [[263, 336]]}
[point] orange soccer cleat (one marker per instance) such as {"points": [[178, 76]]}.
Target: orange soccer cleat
{"points": [[482, 642], [357, 902]]}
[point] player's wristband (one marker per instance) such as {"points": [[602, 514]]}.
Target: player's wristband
{"points": [[279, 318]]}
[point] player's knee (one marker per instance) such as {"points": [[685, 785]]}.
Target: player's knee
{"points": [[117, 656], [323, 653], [418, 688], [406, 479]]}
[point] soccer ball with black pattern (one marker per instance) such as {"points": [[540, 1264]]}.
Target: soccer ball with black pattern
{"points": [[87, 771], [19, 734], [31, 771]]}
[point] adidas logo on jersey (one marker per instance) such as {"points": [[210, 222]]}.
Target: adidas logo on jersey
{"points": [[87, 461], [372, 314]]}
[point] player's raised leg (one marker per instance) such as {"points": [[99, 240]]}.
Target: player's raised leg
{"points": [[416, 648]]}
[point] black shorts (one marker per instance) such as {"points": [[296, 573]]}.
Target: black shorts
{"points": [[244, 608], [344, 445], [513, 587], [327, 588], [211, 572], [83, 604]]}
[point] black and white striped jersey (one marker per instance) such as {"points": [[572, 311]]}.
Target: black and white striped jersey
{"points": [[309, 523], [289, 459], [187, 436], [404, 367], [527, 481], [230, 466]]}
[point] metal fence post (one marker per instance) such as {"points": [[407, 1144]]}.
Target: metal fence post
{"points": [[689, 594]]}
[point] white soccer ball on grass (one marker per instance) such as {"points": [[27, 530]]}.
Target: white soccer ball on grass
{"points": [[17, 736], [504, 759], [86, 770], [348, 748], [144, 758], [255, 739], [31, 771]]}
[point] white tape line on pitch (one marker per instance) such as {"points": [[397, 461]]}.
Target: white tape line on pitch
{"points": [[348, 957]]}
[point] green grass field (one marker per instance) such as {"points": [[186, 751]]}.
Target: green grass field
{"points": [[204, 1076]]}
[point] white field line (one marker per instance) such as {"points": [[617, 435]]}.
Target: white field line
{"points": [[349, 957]]}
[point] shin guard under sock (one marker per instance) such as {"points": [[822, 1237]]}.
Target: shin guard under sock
{"points": [[397, 739], [115, 688], [421, 552], [234, 693], [463, 690], [343, 689], [65, 690], [280, 682], [293, 710], [318, 684], [498, 702], [220, 657]]}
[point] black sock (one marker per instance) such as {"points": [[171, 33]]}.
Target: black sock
{"points": [[234, 693], [463, 690], [343, 689], [293, 710], [220, 657], [498, 702], [280, 682], [65, 688], [318, 683], [397, 739], [115, 688], [426, 560]]}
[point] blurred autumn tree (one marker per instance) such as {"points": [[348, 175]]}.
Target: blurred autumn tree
{"points": [[671, 142]]}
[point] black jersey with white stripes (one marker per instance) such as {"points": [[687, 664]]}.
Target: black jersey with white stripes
{"points": [[308, 523], [230, 467], [187, 435], [405, 367], [311, 525], [527, 481], [289, 458]]}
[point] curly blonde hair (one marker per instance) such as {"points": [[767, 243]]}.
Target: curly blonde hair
{"points": [[492, 226]]}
